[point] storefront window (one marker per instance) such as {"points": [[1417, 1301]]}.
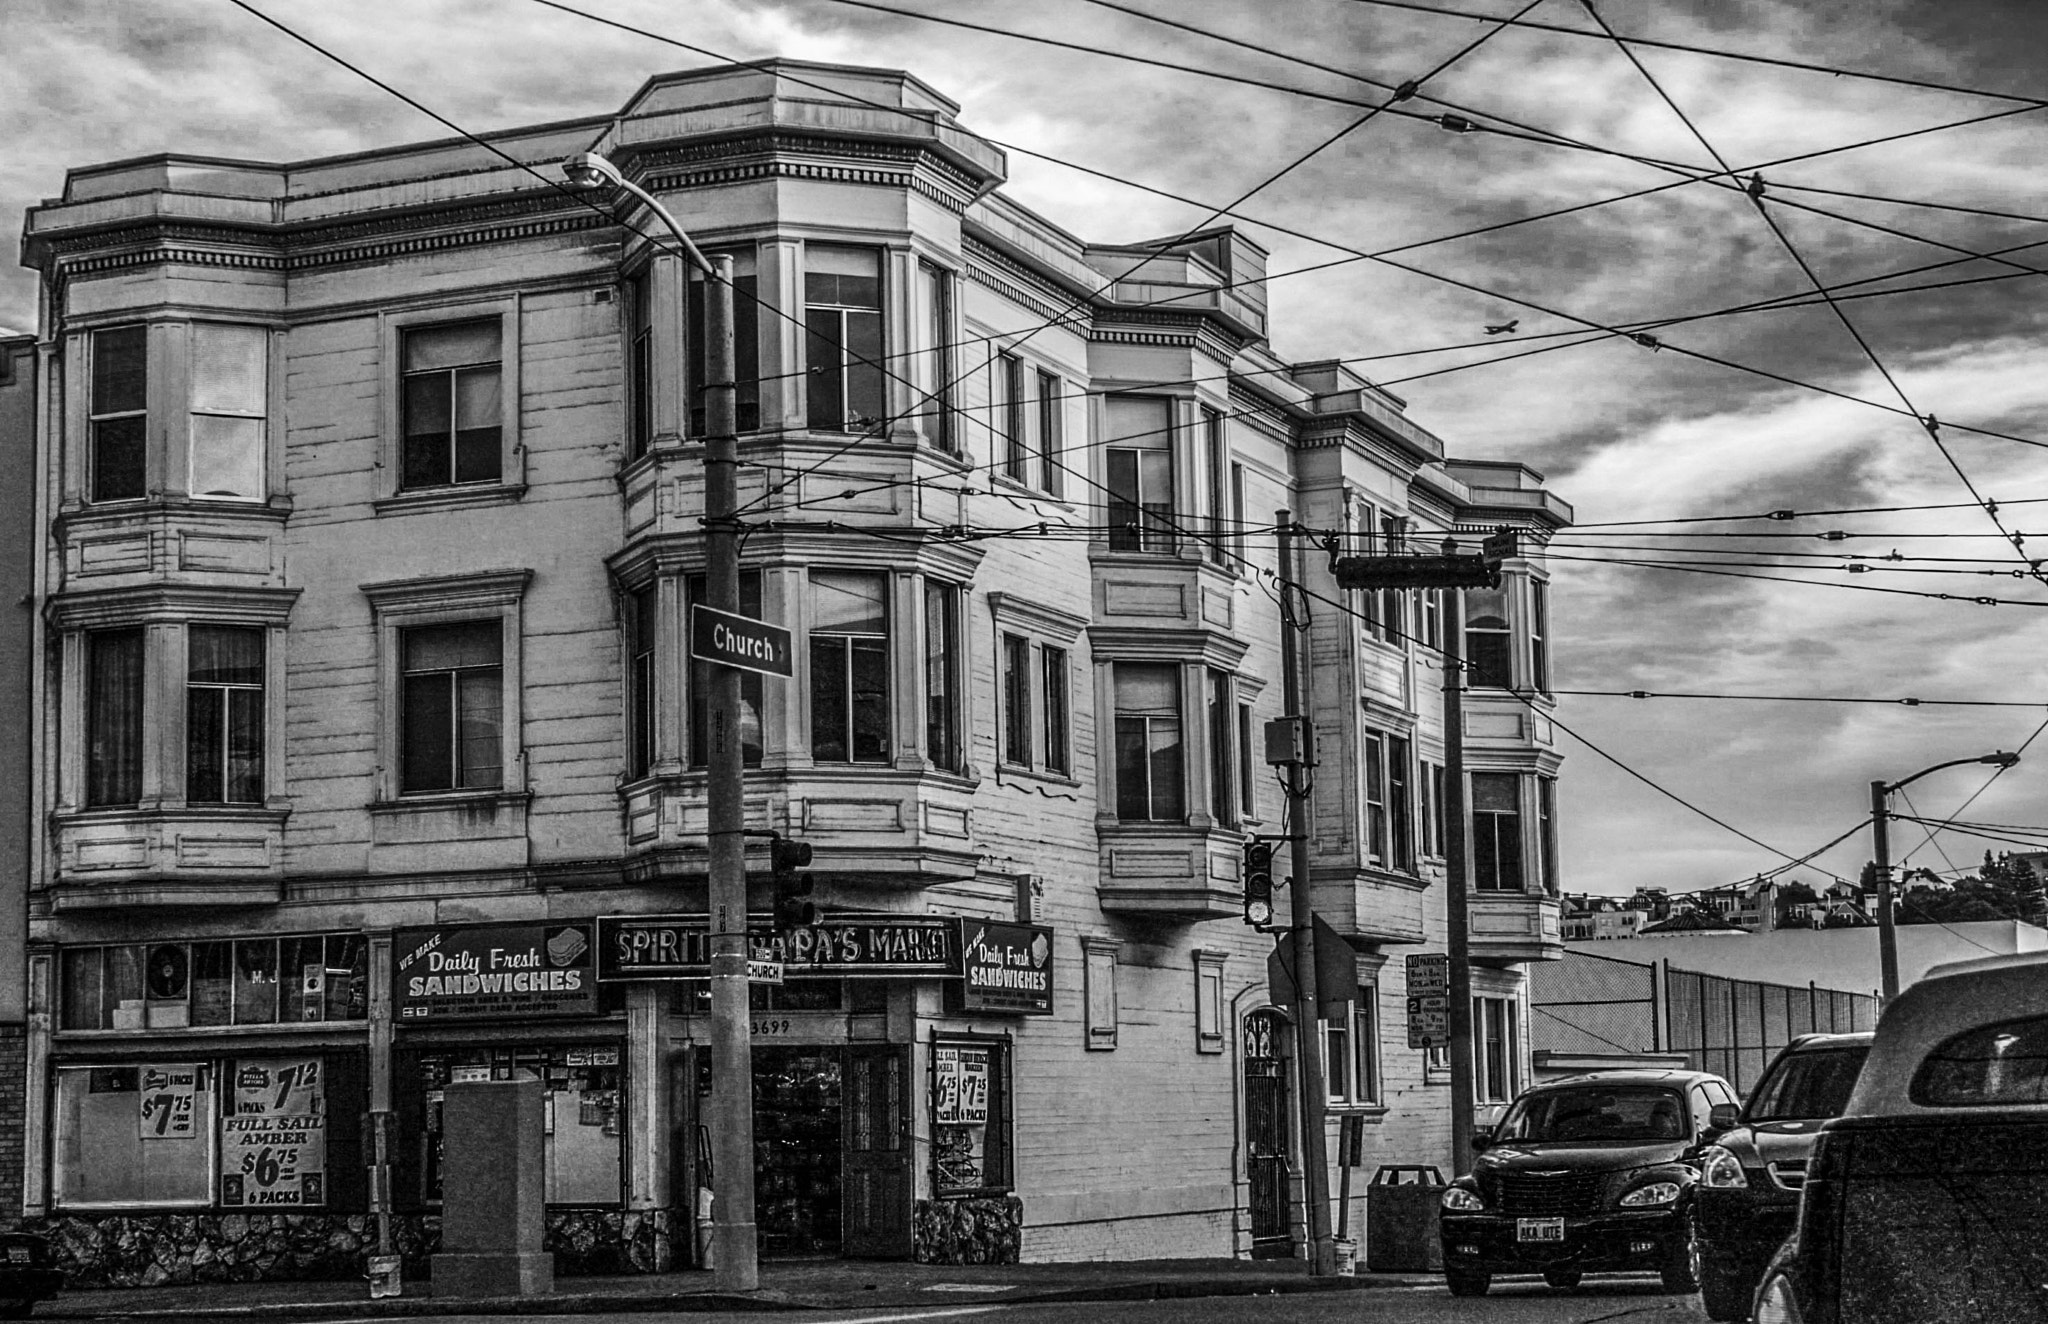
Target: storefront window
{"points": [[582, 1117], [970, 1116], [139, 1134], [251, 981]]}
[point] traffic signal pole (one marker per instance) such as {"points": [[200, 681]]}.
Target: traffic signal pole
{"points": [[1308, 1040]]}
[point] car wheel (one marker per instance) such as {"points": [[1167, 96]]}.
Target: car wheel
{"points": [[1681, 1267], [1563, 1278], [1725, 1293], [1467, 1282]]}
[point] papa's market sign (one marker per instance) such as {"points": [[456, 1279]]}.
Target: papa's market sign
{"points": [[1006, 967], [493, 970], [850, 946]]}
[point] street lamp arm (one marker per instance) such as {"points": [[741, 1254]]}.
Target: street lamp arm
{"points": [[1880, 812], [590, 170], [2001, 759]]}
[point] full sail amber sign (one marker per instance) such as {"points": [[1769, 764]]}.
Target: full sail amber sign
{"points": [[493, 970]]}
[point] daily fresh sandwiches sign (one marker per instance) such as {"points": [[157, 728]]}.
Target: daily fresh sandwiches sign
{"points": [[1006, 967], [493, 970]]}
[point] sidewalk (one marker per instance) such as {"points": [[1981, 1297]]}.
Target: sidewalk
{"points": [[785, 1285]]}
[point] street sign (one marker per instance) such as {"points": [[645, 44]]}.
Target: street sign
{"points": [[1429, 975], [1500, 545], [764, 972], [739, 641], [1429, 1000]]}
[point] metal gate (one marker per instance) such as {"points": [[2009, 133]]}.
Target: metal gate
{"points": [[1265, 1134]]}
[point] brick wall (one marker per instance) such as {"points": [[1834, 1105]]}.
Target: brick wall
{"points": [[13, 1070]]}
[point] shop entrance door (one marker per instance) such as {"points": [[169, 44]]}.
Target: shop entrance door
{"points": [[877, 1128], [1265, 1134], [797, 1165]]}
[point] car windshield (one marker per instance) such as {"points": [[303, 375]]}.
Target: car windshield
{"points": [[1594, 1113], [1807, 1085]]}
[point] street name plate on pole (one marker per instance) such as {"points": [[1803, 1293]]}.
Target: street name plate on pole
{"points": [[739, 641], [764, 972], [1429, 1001]]}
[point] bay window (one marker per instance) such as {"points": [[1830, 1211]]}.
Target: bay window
{"points": [[1150, 779], [119, 414], [942, 743], [1217, 447], [1053, 663], [1223, 792], [849, 656], [229, 386], [224, 715], [1006, 415], [933, 366], [640, 363], [1539, 645], [1497, 831], [746, 345], [113, 717], [751, 683], [1488, 655], [1546, 831], [1016, 700], [452, 404], [1389, 809], [1138, 462], [843, 338], [640, 653], [1052, 406]]}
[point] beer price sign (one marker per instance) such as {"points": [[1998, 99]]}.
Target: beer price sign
{"points": [[273, 1143], [167, 1098]]}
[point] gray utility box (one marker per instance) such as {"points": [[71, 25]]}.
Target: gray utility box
{"points": [[1401, 1213]]}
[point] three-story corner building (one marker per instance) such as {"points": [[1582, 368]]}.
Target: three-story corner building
{"points": [[369, 748]]}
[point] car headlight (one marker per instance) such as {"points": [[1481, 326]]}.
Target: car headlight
{"points": [[1459, 1200], [1776, 1304], [1721, 1169], [1656, 1193]]}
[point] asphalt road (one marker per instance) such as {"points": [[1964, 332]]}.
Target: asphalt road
{"points": [[1599, 1301]]}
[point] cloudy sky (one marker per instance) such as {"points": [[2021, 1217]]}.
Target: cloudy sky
{"points": [[1723, 419]]}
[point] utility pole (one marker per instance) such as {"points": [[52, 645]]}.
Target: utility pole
{"points": [[1450, 572], [1887, 931]]}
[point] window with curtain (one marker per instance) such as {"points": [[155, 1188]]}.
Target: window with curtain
{"points": [[751, 683], [942, 743], [229, 392], [746, 344], [1489, 664], [843, 338], [1222, 758], [1497, 831], [849, 643], [1149, 774], [1017, 700], [1006, 415], [1052, 663], [1051, 408], [640, 643], [224, 716], [640, 361], [119, 412], [113, 716], [452, 404], [1138, 462], [934, 360], [451, 718]]}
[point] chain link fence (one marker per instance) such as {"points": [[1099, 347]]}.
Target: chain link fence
{"points": [[1585, 1003]]}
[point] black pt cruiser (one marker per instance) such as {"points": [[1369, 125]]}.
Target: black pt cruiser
{"points": [[1588, 1174]]}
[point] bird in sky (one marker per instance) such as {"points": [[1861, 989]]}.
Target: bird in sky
{"points": [[1504, 328]]}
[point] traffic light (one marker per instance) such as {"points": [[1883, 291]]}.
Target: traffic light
{"points": [[1258, 883], [791, 887]]}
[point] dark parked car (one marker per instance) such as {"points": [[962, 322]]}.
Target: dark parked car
{"points": [[1587, 1174], [1927, 1201], [27, 1273], [1748, 1193]]}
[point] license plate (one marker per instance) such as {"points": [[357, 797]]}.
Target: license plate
{"points": [[1539, 1229], [17, 1255]]}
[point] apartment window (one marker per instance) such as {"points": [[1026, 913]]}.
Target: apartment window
{"points": [[1539, 645], [1223, 791], [1429, 610], [1051, 408], [640, 635], [113, 717], [746, 345], [1138, 458], [1431, 789], [452, 403], [934, 364], [224, 715], [1247, 765], [1496, 1049], [1017, 700], [641, 361], [750, 683], [849, 668], [229, 394], [1006, 408], [942, 674], [843, 337], [1237, 518], [1149, 775], [1216, 445], [1053, 664], [1487, 655], [1208, 1002], [1099, 975], [1497, 831], [1351, 1052], [1546, 831], [120, 413], [451, 706], [1389, 811]]}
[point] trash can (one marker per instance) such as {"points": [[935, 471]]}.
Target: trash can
{"points": [[1401, 1207]]}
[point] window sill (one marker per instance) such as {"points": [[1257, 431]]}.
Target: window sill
{"points": [[1022, 488], [1019, 771], [428, 801], [1371, 1112], [448, 498]]}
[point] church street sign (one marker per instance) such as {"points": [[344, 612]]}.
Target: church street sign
{"points": [[739, 641]]}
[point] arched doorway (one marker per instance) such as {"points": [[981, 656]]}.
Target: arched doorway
{"points": [[1265, 1133]]}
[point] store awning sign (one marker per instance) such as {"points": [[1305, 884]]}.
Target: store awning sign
{"points": [[1006, 967], [493, 970], [850, 946]]}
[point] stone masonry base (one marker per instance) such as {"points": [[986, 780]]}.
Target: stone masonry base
{"points": [[986, 1231]]}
